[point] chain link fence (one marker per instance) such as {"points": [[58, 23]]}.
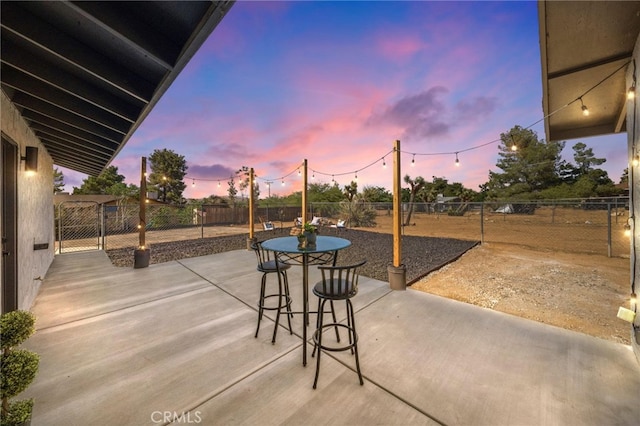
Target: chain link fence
{"points": [[568, 226], [574, 226], [77, 226]]}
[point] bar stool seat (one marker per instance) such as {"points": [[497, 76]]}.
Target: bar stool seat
{"points": [[281, 299], [338, 283]]}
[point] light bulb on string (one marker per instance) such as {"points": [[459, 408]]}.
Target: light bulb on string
{"points": [[384, 163], [631, 93], [585, 110], [218, 184], [193, 183], [313, 175], [627, 230], [356, 176], [282, 182], [635, 161], [413, 161], [457, 160], [332, 179], [299, 173]]}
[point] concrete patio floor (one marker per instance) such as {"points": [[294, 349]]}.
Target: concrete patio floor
{"points": [[175, 342]]}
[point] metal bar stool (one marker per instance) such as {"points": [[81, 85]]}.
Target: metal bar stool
{"points": [[338, 283], [267, 266]]}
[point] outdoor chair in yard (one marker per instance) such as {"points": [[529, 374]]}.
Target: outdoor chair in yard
{"points": [[268, 225], [338, 283], [341, 225], [272, 301]]}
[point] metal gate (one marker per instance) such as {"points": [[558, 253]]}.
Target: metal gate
{"points": [[78, 226]]}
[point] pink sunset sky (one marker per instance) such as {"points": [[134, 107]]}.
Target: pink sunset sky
{"points": [[337, 83]]}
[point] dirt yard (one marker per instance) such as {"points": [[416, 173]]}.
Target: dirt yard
{"points": [[579, 292]]}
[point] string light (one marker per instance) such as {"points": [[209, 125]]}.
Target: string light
{"points": [[585, 110], [299, 172], [356, 176], [313, 175], [193, 183], [636, 160], [384, 163], [627, 230], [218, 184], [631, 93], [457, 161], [413, 161], [282, 182]]}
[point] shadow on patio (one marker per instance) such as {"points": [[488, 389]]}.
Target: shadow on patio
{"points": [[174, 341]]}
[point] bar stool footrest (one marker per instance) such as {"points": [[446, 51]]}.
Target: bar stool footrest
{"points": [[350, 330], [287, 302]]}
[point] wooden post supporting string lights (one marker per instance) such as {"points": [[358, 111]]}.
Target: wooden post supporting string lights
{"points": [[142, 254], [397, 271], [252, 239], [304, 192]]}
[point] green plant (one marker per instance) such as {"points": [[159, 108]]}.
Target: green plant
{"points": [[308, 227], [19, 366], [358, 213]]}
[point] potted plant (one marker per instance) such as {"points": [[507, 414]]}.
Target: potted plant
{"points": [[19, 366], [310, 231]]}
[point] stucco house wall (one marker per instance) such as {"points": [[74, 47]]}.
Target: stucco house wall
{"points": [[633, 138], [34, 207]]}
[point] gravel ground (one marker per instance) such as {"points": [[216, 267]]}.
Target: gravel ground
{"points": [[421, 255]]}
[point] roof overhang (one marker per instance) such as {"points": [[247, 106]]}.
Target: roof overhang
{"points": [[585, 49], [84, 75]]}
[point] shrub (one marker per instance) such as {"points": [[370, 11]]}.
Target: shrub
{"points": [[18, 368], [357, 213]]}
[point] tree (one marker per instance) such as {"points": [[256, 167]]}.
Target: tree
{"points": [[214, 200], [351, 190], [167, 175], [585, 158], [415, 185], [106, 182], [232, 191], [585, 161], [324, 193], [376, 194], [58, 181], [625, 176], [533, 167], [244, 183]]}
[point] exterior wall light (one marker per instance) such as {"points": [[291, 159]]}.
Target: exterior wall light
{"points": [[30, 159]]}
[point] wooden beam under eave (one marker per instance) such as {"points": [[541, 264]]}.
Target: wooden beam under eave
{"points": [[622, 118]]}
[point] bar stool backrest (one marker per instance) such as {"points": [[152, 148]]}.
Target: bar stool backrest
{"points": [[340, 282], [266, 260]]}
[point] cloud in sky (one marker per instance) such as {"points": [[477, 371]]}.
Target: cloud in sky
{"points": [[337, 82]]}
